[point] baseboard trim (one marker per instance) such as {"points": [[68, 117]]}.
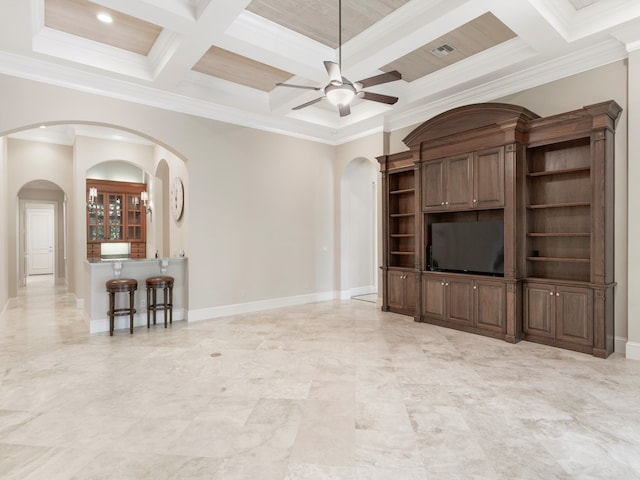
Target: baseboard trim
{"points": [[249, 307], [620, 345], [632, 350]]}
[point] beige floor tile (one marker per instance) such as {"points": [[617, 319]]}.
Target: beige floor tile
{"points": [[331, 390]]}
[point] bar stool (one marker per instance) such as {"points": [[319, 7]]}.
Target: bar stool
{"points": [[121, 285], [166, 283]]}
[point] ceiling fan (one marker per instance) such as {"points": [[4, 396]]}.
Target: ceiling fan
{"points": [[340, 91]]}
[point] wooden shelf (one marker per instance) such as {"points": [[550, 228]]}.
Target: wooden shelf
{"points": [[558, 172], [402, 253], [559, 205], [558, 235], [402, 192], [399, 215], [558, 259], [402, 235]]}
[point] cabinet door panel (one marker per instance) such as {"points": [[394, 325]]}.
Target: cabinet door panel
{"points": [[460, 301], [458, 182], [395, 289], [539, 310], [432, 185], [432, 296], [411, 291], [490, 305], [574, 315], [488, 178]]}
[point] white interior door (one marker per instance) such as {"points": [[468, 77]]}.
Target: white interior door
{"points": [[40, 238]]}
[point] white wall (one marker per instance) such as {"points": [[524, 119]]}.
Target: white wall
{"points": [[178, 232], [4, 234], [260, 206], [633, 215], [368, 148], [26, 162], [358, 228]]}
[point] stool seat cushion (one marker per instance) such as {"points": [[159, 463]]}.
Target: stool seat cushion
{"points": [[121, 285], [159, 282]]}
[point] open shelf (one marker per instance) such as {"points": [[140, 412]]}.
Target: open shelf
{"points": [[559, 205], [559, 210], [558, 234], [563, 171], [402, 192], [558, 259]]}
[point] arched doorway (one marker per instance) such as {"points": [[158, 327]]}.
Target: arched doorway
{"points": [[62, 154], [42, 232], [359, 245]]}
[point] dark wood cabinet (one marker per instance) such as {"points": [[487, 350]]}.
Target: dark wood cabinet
{"points": [[447, 183], [550, 182], [471, 303], [402, 291], [488, 178], [558, 314], [469, 181], [117, 215]]}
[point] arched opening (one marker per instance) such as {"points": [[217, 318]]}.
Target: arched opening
{"points": [[359, 244], [42, 232], [61, 155]]}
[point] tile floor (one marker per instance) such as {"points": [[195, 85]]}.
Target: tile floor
{"points": [[333, 390]]}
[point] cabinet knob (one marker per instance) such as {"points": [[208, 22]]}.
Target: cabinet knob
{"points": [[442, 203], [446, 284], [551, 293], [442, 283], [475, 287], [557, 294], [446, 203], [475, 200]]}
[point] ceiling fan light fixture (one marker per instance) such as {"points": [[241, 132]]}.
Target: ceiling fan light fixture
{"points": [[340, 94]]}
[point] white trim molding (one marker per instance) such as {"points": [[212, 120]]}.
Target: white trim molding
{"points": [[632, 350]]}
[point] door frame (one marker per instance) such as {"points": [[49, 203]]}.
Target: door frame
{"points": [[40, 209], [21, 244]]}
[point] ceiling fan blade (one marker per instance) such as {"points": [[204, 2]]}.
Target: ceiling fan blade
{"points": [[377, 97], [307, 103], [379, 79], [333, 69], [344, 110], [305, 87]]}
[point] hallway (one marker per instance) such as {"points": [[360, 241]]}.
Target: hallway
{"points": [[332, 390]]}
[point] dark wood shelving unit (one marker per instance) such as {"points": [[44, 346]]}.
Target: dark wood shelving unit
{"points": [[550, 181]]}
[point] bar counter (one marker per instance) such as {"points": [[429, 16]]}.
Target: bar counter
{"points": [[97, 272]]}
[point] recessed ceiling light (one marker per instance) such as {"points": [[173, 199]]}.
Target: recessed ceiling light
{"points": [[104, 17], [43, 126]]}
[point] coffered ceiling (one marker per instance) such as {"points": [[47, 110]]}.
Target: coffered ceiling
{"points": [[221, 59]]}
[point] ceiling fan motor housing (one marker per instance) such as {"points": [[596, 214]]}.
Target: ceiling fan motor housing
{"points": [[340, 94]]}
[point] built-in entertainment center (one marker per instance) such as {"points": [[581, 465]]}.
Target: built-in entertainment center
{"points": [[499, 222]]}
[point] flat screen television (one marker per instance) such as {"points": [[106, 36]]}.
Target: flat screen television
{"points": [[469, 247]]}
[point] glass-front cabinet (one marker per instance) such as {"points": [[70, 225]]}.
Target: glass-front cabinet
{"points": [[95, 219], [115, 214]]}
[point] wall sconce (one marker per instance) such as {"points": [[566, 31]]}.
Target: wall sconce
{"points": [[93, 194], [144, 196]]}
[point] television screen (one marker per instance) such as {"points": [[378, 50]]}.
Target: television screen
{"points": [[469, 247]]}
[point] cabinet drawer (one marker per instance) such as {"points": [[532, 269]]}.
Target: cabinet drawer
{"points": [[138, 250], [94, 250]]}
